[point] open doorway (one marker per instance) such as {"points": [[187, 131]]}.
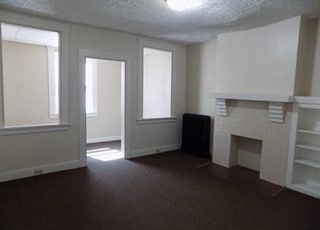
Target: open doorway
{"points": [[103, 80]]}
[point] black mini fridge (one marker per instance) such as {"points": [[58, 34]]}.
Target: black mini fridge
{"points": [[196, 134]]}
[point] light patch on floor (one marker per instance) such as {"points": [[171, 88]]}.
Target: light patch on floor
{"points": [[105, 154]]}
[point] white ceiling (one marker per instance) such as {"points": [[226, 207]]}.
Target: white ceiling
{"points": [[153, 18], [28, 35]]}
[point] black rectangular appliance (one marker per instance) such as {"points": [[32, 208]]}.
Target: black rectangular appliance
{"points": [[196, 134]]}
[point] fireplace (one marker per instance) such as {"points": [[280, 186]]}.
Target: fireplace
{"points": [[252, 134], [246, 152]]}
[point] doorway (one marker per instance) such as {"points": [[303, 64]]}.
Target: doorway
{"points": [[102, 106]]}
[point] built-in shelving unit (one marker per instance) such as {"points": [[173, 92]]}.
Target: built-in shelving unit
{"points": [[308, 146], [309, 131], [304, 158]]}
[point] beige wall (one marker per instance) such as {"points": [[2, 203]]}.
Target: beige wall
{"points": [[202, 68], [315, 88], [258, 60], [21, 154], [201, 75], [26, 89], [107, 123], [306, 56]]}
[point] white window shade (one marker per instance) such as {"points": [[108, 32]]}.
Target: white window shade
{"points": [[53, 74], [91, 87], [157, 82]]}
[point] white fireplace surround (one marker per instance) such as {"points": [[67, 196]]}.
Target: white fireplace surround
{"points": [[276, 103], [261, 117]]}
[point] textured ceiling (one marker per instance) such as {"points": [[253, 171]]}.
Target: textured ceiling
{"points": [[154, 19]]}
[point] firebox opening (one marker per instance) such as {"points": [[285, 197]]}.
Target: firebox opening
{"points": [[246, 152]]}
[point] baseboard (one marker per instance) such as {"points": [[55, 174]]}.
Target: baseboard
{"points": [[103, 139], [29, 172], [150, 151]]}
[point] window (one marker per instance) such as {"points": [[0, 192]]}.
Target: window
{"points": [[91, 87], [33, 76], [157, 83], [53, 74]]}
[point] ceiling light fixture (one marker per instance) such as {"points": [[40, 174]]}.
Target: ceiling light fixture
{"points": [[182, 5]]}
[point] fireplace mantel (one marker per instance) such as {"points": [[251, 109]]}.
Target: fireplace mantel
{"points": [[276, 103], [255, 97]]}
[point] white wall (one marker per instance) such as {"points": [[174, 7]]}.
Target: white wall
{"points": [[26, 89], [106, 125], [315, 88], [61, 148], [259, 61], [306, 56], [201, 76]]}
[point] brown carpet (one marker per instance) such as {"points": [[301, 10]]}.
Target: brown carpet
{"points": [[165, 191]]}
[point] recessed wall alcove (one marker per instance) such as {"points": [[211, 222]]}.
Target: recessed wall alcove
{"points": [[246, 152]]}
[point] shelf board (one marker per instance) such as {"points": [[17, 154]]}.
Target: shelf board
{"points": [[254, 97], [309, 189], [309, 131], [308, 146], [308, 162], [307, 100]]}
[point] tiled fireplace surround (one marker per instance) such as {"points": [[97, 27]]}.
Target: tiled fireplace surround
{"points": [[253, 119]]}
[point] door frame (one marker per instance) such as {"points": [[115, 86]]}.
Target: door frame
{"points": [[125, 98]]}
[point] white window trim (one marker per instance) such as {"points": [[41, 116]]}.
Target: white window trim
{"points": [[63, 30], [143, 43]]}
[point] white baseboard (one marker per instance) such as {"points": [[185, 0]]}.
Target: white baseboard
{"points": [[150, 151], [28, 172], [103, 139]]}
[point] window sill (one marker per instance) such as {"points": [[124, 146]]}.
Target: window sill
{"points": [[7, 131], [156, 120]]}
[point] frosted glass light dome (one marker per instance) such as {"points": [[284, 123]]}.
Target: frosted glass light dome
{"points": [[182, 5]]}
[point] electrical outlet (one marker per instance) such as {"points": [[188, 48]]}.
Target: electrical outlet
{"points": [[38, 172]]}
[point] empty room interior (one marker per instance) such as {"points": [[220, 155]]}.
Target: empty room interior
{"points": [[159, 114]]}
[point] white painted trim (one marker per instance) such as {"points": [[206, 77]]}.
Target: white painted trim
{"points": [[103, 139], [151, 151], [221, 107], [29, 172], [254, 97], [1, 83], [292, 144], [33, 129], [276, 112], [157, 120], [308, 100], [161, 45], [126, 97]]}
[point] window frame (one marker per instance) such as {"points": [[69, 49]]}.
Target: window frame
{"points": [[43, 24], [152, 44]]}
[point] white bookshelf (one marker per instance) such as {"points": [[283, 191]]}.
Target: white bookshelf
{"points": [[303, 172]]}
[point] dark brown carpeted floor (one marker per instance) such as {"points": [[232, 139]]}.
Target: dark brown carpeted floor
{"points": [[165, 191]]}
